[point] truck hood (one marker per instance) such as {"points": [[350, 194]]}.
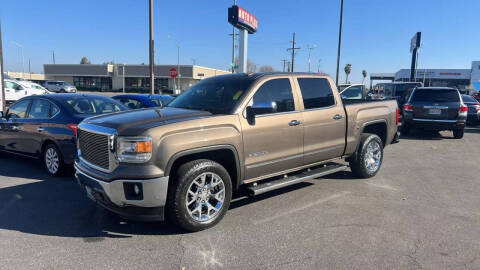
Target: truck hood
{"points": [[131, 123]]}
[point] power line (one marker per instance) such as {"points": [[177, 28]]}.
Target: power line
{"points": [[293, 48]]}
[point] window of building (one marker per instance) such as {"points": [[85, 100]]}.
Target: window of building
{"points": [[316, 93], [278, 91], [93, 83]]}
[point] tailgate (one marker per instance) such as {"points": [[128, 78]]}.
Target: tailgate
{"points": [[438, 111]]}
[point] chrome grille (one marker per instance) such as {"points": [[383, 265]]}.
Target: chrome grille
{"points": [[94, 148]]}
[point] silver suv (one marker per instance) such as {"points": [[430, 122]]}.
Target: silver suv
{"points": [[60, 87]]}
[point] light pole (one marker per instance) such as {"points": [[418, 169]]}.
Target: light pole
{"points": [[309, 54], [178, 60], [123, 77], [23, 59], [151, 48], [339, 42]]}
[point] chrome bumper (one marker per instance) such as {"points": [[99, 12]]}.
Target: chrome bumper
{"points": [[154, 190]]}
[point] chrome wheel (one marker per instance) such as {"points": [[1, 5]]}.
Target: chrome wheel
{"points": [[205, 197], [52, 160], [373, 156]]}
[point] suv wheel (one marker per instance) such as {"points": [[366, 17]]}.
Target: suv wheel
{"points": [[52, 159], [458, 133], [368, 159], [200, 195]]}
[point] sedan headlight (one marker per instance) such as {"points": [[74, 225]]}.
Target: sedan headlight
{"points": [[134, 149]]}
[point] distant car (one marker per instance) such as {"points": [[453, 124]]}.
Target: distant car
{"points": [[354, 91], [399, 90], [473, 115], [45, 126], [476, 95], [143, 101], [15, 90], [60, 87], [36, 86], [435, 108]]}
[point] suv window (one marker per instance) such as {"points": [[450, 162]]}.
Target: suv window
{"points": [[425, 95], [278, 91], [40, 109], [316, 93], [19, 109], [354, 92]]}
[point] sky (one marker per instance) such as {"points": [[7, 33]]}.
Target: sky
{"points": [[376, 33]]}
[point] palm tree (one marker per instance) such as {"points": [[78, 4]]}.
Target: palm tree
{"points": [[364, 74], [348, 69]]}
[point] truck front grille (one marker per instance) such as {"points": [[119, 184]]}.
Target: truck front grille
{"points": [[94, 148]]}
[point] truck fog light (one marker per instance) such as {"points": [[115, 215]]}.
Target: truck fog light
{"points": [[133, 191]]}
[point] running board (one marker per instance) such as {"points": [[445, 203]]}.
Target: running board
{"points": [[257, 189]]}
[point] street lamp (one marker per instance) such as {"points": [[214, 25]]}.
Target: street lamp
{"points": [[339, 42], [23, 59], [178, 60], [309, 54]]}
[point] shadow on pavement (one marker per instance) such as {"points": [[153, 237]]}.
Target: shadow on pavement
{"points": [[59, 207], [417, 134]]}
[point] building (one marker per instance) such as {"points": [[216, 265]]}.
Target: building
{"points": [[133, 77], [459, 78]]}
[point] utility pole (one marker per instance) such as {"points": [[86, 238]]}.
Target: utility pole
{"points": [[293, 48], [2, 82], [151, 58], [309, 54], [339, 42], [53, 56], [284, 61], [29, 69], [123, 77], [318, 68], [23, 58]]}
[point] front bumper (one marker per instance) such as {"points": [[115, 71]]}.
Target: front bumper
{"points": [[113, 195]]}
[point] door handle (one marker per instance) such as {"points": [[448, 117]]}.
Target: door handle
{"points": [[40, 129], [294, 123], [15, 127], [338, 117]]}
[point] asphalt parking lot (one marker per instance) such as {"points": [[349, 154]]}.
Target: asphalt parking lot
{"points": [[422, 211]]}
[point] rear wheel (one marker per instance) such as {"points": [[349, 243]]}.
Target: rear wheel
{"points": [[200, 195], [53, 161], [458, 133], [368, 159]]}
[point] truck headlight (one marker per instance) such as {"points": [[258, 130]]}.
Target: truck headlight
{"points": [[134, 149]]}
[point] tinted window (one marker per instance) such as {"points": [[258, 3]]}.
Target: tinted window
{"points": [[278, 91], [316, 93], [354, 92], [93, 105], [218, 95], [19, 109], [132, 104], [435, 96], [40, 109], [466, 98]]}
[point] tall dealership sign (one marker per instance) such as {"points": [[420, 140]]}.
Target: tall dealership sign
{"points": [[247, 24], [414, 46], [2, 82]]}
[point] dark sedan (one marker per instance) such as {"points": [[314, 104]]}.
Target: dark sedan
{"points": [[435, 108], [45, 126], [140, 101], [473, 105]]}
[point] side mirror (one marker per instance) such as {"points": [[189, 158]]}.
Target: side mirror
{"points": [[264, 107]]}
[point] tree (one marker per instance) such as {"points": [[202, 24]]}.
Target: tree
{"points": [[348, 69], [251, 66], [266, 69], [364, 74], [85, 61]]}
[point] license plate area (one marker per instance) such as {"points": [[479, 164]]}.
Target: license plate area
{"points": [[435, 111]]}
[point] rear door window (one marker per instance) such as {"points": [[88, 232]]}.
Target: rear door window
{"points": [[316, 93], [438, 96], [40, 109]]}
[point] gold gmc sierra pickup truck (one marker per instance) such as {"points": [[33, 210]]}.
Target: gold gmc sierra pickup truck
{"points": [[255, 132]]}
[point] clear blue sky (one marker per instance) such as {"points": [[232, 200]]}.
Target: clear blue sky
{"points": [[376, 33]]}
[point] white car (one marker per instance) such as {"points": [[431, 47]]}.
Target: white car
{"points": [[15, 90], [60, 87]]}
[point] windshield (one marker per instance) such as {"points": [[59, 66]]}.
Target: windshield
{"points": [[94, 105], [218, 95], [161, 101], [435, 96]]}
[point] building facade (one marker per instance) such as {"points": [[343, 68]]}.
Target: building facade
{"points": [[129, 77]]}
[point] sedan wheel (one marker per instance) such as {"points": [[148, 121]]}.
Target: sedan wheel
{"points": [[53, 160]]}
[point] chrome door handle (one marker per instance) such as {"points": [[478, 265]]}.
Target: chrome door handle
{"points": [[294, 123], [40, 129], [338, 117]]}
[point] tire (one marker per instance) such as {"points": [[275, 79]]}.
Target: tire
{"points": [[62, 91], [185, 188], [458, 133], [53, 160], [358, 161], [406, 128]]}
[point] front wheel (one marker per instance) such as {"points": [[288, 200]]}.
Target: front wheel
{"points": [[368, 159], [200, 195], [458, 133], [53, 161]]}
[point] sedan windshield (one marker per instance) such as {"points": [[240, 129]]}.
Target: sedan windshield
{"points": [[93, 105], [218, 95]]}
